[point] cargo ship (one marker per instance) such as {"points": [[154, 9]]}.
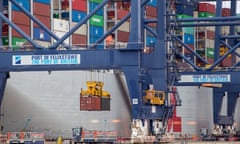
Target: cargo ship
{"points": [[49, 102]]}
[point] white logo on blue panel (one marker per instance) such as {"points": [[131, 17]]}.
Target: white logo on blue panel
{"points": [[17, 59]]}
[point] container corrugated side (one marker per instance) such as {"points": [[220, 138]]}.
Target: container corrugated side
{"points": [[81, 30], [20, 18], [80, 5], [41, 9]]}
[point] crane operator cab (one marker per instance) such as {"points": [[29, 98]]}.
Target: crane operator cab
{"points": [[154, 97]]}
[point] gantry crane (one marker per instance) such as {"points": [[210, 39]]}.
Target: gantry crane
{"points": [[141, 69]]}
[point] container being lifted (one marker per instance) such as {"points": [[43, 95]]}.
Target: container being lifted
{"points": [[94, 98]]}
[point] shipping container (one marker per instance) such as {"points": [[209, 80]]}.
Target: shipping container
{"points": [[122, 36], [121, 13], [205, 14], [79, 5], [60, 25], [5, 2], [177, 124], [24, 28], [20, 18], [24, 3], [39, 34], [207, 7], [152, 3], [90, 103], [5, 41], [210, 34], [125, 27], [17, 43], [41, 9], [105, 104], [79, 41], [151, 11], [209, 43], [186, 51], [60, 34], [226, 12], [210, 52], [82, 30], [154, 24], [43, 1], [188, 38], [77, 16], [95, 31], [97, 20], [185, 9], [150, 41], [92, 6], [44, 20], [5, 28], [96, 1], [93, 40]]}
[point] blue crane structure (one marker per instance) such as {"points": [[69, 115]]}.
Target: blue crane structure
{"points": [[141, 69]]}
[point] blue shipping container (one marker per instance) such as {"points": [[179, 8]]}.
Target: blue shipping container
{"points": [[152, 3], [39, 34], [23, 3], [77, 16], [5, 2], [42, 1], [150, 41], [95, 31], [92, 40], [188, 39], [184, 9], [92, 6]]}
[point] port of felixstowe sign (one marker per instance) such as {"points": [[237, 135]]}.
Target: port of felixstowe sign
{"points": [[56, 59], [206, 78]]}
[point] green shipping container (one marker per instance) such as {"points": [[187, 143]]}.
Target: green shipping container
{"points": [[96, 1], [5, 41], [96, 20], [210, 52], [205, 14], [188, 30]]}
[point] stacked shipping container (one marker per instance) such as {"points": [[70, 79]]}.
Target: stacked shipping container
{"points": [[185, 10]]}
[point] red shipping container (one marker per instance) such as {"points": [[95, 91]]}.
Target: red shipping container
{"points": [[121, 13], [20, 18], [123, 5], [24, 28], [210, 60], [227, 62], [177, 124], [210, 35], [80, 5], [45, 20], [79, 40], [41, 9], [225, 12], [206, 7], [5, 29], [151, 11], [122, 36], [90, 103], [151, 24], [186, 51]]}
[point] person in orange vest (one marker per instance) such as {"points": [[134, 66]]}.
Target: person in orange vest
{"points": [[110, 40]]}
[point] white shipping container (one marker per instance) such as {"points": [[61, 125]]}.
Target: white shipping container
{"points": [[81, 30], [125, 27], [209, 43], [60, 34], [61, 25]]}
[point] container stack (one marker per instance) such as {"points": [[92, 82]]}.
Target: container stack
{"points": [[205, 35], [96, 23], [225, 30], [122, 35], [151, 12], [186, 9], [79, 37], [22, 21], [5, 26], [42, 11]]}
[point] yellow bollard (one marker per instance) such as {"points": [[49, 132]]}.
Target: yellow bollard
{"points": [[59, 140]]}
